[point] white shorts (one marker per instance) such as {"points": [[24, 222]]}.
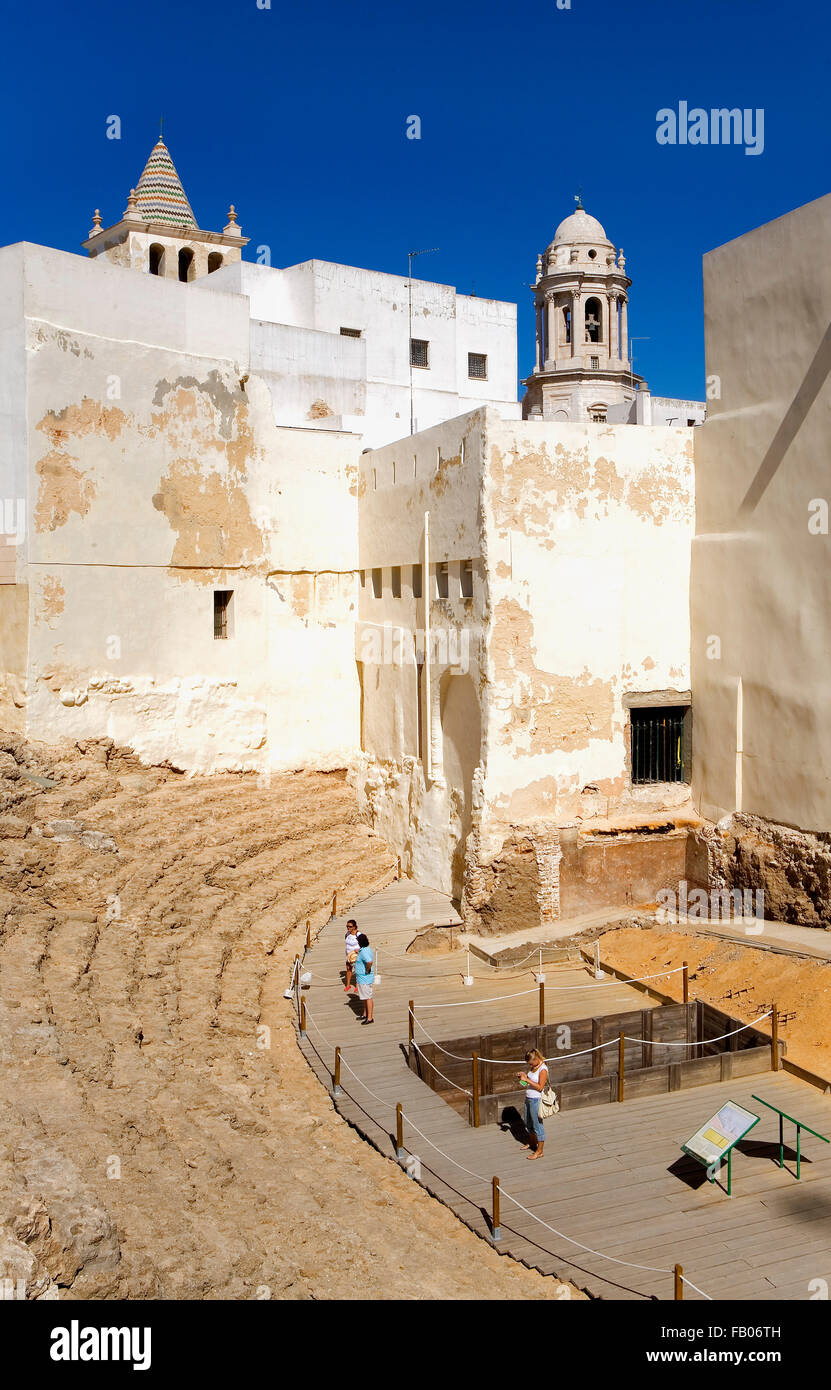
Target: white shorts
{"points": [[364, 991]]}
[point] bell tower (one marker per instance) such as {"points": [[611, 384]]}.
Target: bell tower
{"points": [[158, 233], [582, 369]]}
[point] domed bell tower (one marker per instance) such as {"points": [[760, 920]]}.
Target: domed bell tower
{"points": [[582, 369]]}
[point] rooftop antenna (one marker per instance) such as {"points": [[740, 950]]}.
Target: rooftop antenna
{"points": [[161, 127], [411, 255], [578, 198]]}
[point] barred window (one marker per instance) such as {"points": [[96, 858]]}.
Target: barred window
{"points": [[419, 352], [477, 366], [350, 332], [659, 738], [596, 363]]}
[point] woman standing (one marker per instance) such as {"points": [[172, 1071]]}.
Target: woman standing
{"points": [[365, 976], [536, 1079]]}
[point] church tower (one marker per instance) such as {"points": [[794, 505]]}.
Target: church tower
{"points": [[158, 232], [582, 369]]}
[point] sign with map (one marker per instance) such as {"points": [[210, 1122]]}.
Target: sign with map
{"points": [[714, 1140]]}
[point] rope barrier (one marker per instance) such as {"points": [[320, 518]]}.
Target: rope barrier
{"points": [[501, 1061], [701, 1041], [460, 1003], [441, 1073], [697, 1289]]}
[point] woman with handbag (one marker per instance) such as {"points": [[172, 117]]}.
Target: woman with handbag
{"points": [[536, 1080]]}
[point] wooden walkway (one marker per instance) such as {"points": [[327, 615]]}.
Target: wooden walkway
{"points": [[613, 1177]]}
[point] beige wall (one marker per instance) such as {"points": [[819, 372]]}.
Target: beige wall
{"points": [[761, 577]]}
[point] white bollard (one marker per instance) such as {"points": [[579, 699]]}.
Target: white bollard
{"points": [[540, 972], [598, 973], [468, 978]]}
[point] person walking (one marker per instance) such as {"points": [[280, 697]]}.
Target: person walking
{"points": [[352, 948], [536, 1080], [365, 976]]}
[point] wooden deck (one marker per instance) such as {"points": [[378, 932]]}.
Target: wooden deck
{"points": [[613, 1177]]}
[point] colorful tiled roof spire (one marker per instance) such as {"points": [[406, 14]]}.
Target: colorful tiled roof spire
{"points": [[160, 196]]}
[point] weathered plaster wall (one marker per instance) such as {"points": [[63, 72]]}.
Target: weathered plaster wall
{"points": [[156, 475], [579, 537], [761, 576], [588, 534]]}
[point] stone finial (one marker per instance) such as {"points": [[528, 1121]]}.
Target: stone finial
{"points": [[96, 223], [232, 229], [131, 211], [621, 260], [539, 266]]}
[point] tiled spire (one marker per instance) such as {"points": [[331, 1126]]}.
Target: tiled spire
{"points": [[160, 196]]}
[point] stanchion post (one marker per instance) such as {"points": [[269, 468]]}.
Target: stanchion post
{"points": [[336, 1090], [302, 1017], [496, 1232], [399, 1132], [335, 903], [686, 983], [621, 1052], [774, 1038], [308, 933], [411, 1022], [399, 866], [679, 1283], [542, 1005], [475, 1062], [297, 982]]}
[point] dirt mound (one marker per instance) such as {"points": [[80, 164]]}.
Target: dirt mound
{"points": [[160, 1134]]}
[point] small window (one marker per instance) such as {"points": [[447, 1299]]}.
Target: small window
{"points": [[595, 363], [350, 332], [659, 737], [377, 584], [467, 579], [363, 578], [222, 613], [597, 413], [592, 255], [419, 353], [690, 422], [186, 266], [214, 261], [443, 580], [156, 265], [477, 366], [417, 589], [395, 582]]}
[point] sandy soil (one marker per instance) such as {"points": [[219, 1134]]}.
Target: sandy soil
{"points": [[720, 969], [149, 1145]]}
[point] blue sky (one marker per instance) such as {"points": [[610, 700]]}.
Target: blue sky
{"points": [[297, 114]]}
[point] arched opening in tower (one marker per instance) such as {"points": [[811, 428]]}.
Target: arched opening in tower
{"points": [[214, 261], [186, 267], [594, 321], [156, 260]]}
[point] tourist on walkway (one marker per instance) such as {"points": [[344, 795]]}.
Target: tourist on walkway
{"points": [[365, 976], [536, 1079], [352, 949]]}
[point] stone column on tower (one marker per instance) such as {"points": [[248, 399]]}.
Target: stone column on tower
{"points": [[613, 333], [539, 332], [578, 325], [552, 310], [624, 330]]}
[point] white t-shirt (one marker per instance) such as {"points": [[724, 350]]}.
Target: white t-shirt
{"points": [[351, 943], [535, 1077]]}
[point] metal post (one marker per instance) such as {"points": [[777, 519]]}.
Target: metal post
{"points": [[308, 933], [496, 1233], [475, 1061], [335, 903], [542, 1005], [621, 1048], [411, 1021], [774, 1039], [297, 982], [399, 1132], [686, 983], [302, 1017], [781, 1141], [336, 1090], [679, 1283], [798, 1150], [399, 866]]}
